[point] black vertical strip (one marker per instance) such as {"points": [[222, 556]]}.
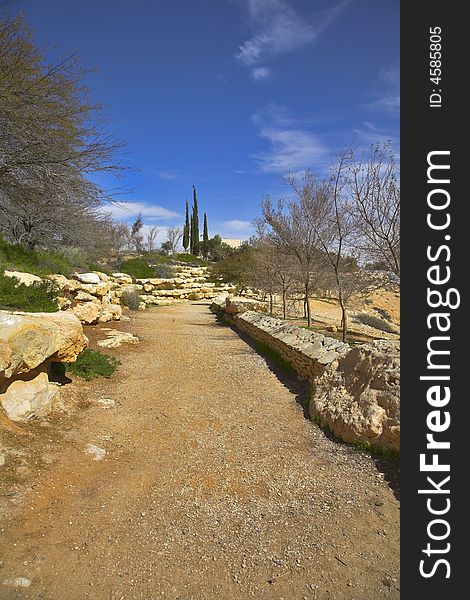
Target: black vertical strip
{"points": [[434, 123]]}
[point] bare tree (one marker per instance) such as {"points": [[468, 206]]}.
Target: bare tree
{"points": [[174, 237], [296, 234], [324, 207], [375, 207], [264, 268], [287, 278], [151, 238]]}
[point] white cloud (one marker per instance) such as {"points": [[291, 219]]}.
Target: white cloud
{"points": [[279, 30], [291, 147], [235, 229], [260, 73], [128, 211], [237, 225], [168, 175]]}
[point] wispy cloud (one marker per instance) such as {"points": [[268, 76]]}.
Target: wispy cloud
{"points": [[391, 75], [369, 134], [167, 175], [389, 103], [128, 211], [290, 146], [388, 100], [260, 73], [278, 30], [237, 225]]}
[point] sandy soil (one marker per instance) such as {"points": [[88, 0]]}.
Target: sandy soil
{"points": [[213, 485]]}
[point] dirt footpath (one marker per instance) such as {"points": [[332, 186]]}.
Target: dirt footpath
{"points": [[213, 485]]}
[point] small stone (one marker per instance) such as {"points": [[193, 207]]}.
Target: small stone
{"points": [[107, 402], [97, 452], [21, 582]]}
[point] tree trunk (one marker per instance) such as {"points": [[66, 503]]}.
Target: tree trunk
{"points": [[284, 304], [344, 318], [307, 307], [270, 303]]}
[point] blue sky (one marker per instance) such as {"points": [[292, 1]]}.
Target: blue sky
{"points": [[229, 94]]}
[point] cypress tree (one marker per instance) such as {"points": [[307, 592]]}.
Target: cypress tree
{"points": [[195, 226], [205, 238], [186, 229]]}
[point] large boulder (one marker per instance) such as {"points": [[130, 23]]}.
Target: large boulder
{"points": [[24, 400], [235, 305], [101, 275], [360, 399], [110, 312], [60, 280], [219, 303], [29, 339], [87, 312], [87, 278], [121, 278], [25, 278]]}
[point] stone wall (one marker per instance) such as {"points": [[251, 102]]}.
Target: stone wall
{"points": [[355, 391], [95, 297]]}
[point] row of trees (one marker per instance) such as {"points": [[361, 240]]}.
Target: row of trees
{"points": [[191, 235], [320, 239]]}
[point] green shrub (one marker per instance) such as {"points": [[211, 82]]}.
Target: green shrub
{"points": [[131, 299], [39, 297], [163, 271], [100, 268], [136, 267], [92, 363], [194, 296], [189, 258], [15, 257]]}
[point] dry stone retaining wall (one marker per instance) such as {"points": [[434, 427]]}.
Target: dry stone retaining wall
{"points": [[355, 391], [95, 297]]}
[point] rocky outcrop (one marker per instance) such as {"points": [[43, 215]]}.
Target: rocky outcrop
{"points": [[360, 399], [92, 297], [24, 400], [29, 339], [115, 338], [355, 391], [28, 343], [87, 312], [24, 278], [92, 278]]}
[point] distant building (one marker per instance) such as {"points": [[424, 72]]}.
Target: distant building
{"points": [[232, 243]]}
